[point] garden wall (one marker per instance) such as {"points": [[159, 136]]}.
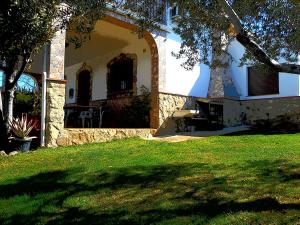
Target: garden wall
{"points": [[168, 104], [84, 136], [238, 112]]}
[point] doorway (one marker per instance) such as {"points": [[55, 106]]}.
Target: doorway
{"points": [[83, 88]]}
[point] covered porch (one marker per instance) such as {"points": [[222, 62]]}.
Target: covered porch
{"points": [[112, 79]]}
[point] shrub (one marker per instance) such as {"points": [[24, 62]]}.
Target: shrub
{"points": [[21, 127]]}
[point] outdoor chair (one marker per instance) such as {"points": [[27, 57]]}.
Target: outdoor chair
{"points": [[86, 116]]}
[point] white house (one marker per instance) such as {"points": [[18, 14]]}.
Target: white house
{"points": [[90, 89]]}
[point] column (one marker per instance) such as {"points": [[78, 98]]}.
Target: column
{"points": [[55, 90]]}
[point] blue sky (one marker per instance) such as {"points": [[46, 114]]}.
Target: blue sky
{"points": [[24, 82], [1, 77]]}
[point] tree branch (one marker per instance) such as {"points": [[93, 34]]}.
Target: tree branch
{"points": [[20, 71], [2, 67], [233, 17], [254, 48], [263, 57]]}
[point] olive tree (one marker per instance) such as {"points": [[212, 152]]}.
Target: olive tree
{"points": [[268, 29], [26, 26]]}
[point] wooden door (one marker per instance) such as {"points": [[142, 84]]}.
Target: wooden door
{"points": [[83, 91]]}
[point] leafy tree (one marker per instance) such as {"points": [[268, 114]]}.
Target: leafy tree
{"points": [[268, 29], [26, 26]]}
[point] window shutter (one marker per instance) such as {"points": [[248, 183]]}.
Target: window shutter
{"points": [[262, 82]]}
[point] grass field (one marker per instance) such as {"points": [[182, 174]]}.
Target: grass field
{"points": [[247, 179]]}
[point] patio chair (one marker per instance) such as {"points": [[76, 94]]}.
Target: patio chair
{"points": [[86, 116]]}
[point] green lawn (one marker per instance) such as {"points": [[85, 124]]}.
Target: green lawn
{"points": [[249, 179]]}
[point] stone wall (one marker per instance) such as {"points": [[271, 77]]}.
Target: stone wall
{"points": [[55, 89], [55, 111], [168, 104], [238, 112], [57, 56], [84, 136]]}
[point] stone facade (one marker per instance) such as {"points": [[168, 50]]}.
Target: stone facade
{"points": [[57, 56], [168, 104], [83, 136], [55, 111], [55, 89], [238, 112]]}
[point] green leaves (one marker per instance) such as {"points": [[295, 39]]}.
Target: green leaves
{"points": [[274, 24], [21, 127]]}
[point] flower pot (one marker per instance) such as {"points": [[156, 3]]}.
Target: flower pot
{"points": [[22, 145]]}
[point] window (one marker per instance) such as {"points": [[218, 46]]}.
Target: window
{"points": [[174, 11], [262, 82], [121, 76]]}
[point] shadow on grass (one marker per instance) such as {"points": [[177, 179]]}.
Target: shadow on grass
{"points": [[146, 195]]}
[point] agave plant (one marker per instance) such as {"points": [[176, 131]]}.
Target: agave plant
{"points": [[21, 127]]}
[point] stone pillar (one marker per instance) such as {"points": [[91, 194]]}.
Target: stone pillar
{"points": [[221, 84], [55, 90], [216, 88]]}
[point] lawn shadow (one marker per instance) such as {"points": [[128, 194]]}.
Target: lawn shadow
{"points": [[144, 195]]}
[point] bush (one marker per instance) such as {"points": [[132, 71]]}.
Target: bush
{"points": [[137, 113]]}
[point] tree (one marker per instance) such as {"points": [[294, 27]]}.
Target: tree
{"points": [[268, 29], [26, 26]]}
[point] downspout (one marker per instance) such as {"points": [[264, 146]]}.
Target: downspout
{"points": [[1, 107], [44, 94]]}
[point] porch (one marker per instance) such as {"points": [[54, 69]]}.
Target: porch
{"points": [[111, 81]]}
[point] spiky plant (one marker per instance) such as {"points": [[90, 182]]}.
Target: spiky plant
{"points": [[21, 127]]}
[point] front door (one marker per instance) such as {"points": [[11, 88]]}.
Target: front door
{"points": [[84, 84]]}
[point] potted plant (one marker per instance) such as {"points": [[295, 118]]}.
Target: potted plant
{"points": [[21, 128]]}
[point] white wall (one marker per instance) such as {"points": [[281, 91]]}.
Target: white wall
{"points": [[182, 81], [288, 83], [177, 79]]}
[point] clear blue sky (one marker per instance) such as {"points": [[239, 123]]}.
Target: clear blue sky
{"points": [[25, 81]]}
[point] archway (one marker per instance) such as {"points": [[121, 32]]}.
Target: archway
{"points": [[113, 39], [83, 88], [154, 114]]}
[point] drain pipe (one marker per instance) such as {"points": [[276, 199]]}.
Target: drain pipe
{"points": [[44, 95]]}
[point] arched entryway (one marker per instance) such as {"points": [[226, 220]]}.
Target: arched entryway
{"points": [[83, 89], [125, 72], [84, 85]]}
